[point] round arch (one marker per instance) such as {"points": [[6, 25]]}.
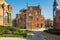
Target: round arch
{"points": [[6, 18]]}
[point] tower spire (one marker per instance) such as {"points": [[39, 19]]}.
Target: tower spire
{"points": [[55, 3], [39, 4], [56, 0], [55, 8], [27, 3]]}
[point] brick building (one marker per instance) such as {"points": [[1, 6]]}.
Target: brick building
{"points": [[5, 14], [56, 15], [30, 18]]}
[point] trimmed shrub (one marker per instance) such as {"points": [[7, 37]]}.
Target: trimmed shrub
{"points": [[7, 32]]}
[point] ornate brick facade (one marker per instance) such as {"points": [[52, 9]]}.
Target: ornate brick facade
{"points": [[30, 18], [57, 20], [56, 16], [5, 14]]}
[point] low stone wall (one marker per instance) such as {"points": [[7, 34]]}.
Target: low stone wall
{"points": [[11, 38]]}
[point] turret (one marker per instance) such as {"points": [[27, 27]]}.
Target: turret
{"points": [[55, 8]]}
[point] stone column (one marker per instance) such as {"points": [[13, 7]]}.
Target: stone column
{"points": [[10, 20]]}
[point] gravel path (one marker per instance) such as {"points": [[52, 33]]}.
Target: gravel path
{"points": [[35, 36], [38, 35]]}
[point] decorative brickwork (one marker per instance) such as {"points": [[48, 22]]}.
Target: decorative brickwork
{"points": [[30, 18]]}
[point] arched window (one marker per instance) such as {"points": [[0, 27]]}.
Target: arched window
{"points": [[38, 12], [6, 18], [30, 16], [37, 25], [54, 14], [37, 18]]}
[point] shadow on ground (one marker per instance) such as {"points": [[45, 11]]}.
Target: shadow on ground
{"points": [[53, 31]]}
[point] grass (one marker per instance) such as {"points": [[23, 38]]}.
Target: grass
{"points": [[12, 32]]}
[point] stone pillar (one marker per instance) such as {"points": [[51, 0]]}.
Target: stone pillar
{"points": [[10, 20]]}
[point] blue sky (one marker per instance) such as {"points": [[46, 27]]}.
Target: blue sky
{"points": [[46, 6]]}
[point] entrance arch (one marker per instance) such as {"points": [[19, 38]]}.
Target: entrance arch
{"points": [[6, 18]]}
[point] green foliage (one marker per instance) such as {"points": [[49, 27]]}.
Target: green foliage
{"points": [[7, 32], [11, 28], [12, 31], [17, 32]]}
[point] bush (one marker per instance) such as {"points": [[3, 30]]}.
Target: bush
{"points": [[16, 32], [7, 32], [12, 31], [11, 28]]}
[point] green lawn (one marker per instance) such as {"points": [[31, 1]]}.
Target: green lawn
{"points": [[12, 32]]}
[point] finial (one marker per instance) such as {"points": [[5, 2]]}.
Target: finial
{"points": [[27, 3], [39, 4]]}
